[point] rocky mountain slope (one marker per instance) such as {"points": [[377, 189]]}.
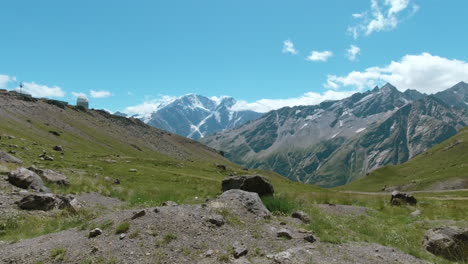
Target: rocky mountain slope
{"points": [[443, 167], [195, 116], [337, 142]]}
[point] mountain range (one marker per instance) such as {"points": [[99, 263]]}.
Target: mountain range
{"points": [[195, 116], [337, 142]]}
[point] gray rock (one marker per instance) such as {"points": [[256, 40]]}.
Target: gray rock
{"points": [[301, 216], [209, 253], [95, 232], [239, 250], [399, 198], [58, 148], [138, 214], [132, 170], [122, 236], [169, 203], [221, 167], [5, 157], [69, 202], [255, 183], [284, 233], [217, 220], [51, 176], [310, 238], [416, 213], [44, 202], [44, 156], [27, 179], [282, 257], [237, 200], [448, 242], [4, 169]]}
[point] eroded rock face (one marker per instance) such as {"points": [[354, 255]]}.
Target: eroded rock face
{"points": [[44, 202], [255, 183], [5, 157], [238, 200], [27, 179], [448, 242]]}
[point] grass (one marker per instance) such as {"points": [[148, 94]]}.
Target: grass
{"points": [[58, 254], [122, 228], [280, 204]]}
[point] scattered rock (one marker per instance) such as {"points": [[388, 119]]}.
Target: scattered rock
{"points": [[310, 238], [416, 213], [282, 257], [116, 181], [69, 202], [448, 242], [95, 232], [12, 151], [169, 203], [109, 179], [255, 183], [132, 170], [5, 157], [237, 200], [138, 214], [399, 198], [44, 202], [58, 148], [209, 253], [239, 250], [27, 179], [221, 167], [44, 156], [51, 176], [122, 236], [217, 220], [284, 233], [55, 133], [301, 216], [4, 169]]}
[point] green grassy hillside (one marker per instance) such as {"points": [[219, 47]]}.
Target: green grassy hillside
{"points": [[97, 144], [444, 166]]}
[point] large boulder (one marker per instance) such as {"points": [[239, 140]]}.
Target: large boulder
{"points": [[399, 198], [39, 201], [448, 242], [239, 201], [27, 179], [51, 176], [255, 183], [5, 157]]}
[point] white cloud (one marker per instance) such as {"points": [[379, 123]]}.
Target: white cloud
{"points": [[146, 108], [319, 55], [384, 15], [310, 98], [288, 47], [352, 52], [38, 90], [76, 94], [32, 88], [425, 72], [100, 94], [359, 15], [4, 80]]}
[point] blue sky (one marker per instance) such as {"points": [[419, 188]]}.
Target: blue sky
{"points": [[266, 54]]}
